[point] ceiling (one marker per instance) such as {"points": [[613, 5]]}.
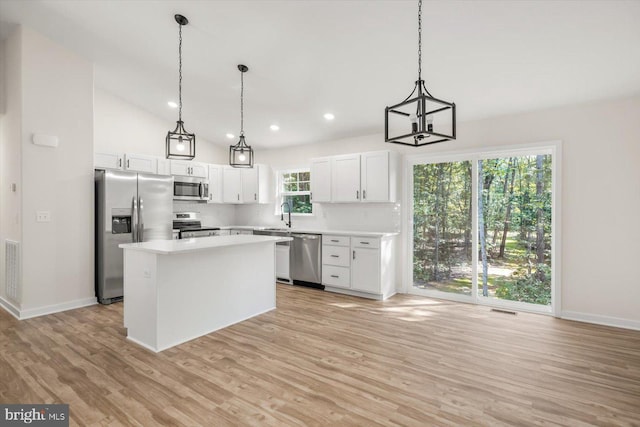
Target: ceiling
{"points": [[351, 58]]}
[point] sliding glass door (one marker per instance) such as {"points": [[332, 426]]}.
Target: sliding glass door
{"points": [[483, 229], [442, 232]]}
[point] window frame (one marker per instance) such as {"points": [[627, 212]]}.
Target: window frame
{"points": [[281, 194]]}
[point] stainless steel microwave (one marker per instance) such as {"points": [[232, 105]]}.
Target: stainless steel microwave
{"points": [[190, 188]]}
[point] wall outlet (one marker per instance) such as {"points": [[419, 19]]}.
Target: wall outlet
{"points": [[43, 216]]}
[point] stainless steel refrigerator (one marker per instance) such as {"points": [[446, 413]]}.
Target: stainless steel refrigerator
{"points": [[130, 207]]}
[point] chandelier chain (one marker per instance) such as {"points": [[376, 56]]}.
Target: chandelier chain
{"points": [[180, 73], [419, 39], [241, 103]]}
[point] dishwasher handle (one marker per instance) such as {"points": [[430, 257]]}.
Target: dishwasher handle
{"points": [[306, 236]]}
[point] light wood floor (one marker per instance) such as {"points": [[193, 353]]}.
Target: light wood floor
{"points": [[327, 359]]}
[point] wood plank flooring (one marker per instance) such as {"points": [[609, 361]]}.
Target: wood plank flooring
{"points": [[326, 359]]}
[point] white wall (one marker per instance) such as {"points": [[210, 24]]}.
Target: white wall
{"points": [[600, 195], [50, 91], [10, 153], [122, 127], [57, 97]]}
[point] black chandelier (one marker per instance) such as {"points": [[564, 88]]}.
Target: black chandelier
{"points": [[241, 155], [411, 122], [180, 143]]}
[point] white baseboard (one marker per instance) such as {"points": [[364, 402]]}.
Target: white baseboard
{"points": [[48, 309], [10, 308], [601, 320]]}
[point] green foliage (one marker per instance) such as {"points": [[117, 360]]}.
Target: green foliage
{"points": [[532, 287]]}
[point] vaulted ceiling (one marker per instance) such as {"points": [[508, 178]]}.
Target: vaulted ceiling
{"points": [[351, 58]]}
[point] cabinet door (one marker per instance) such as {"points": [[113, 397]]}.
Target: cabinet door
{"points": [[365, 269], [215, 184], [164, 167], [231, 185], [201, 170], [107, 160], [249, 185], [321, 180], [140, 163], [180, 167], [374, 177], [345, 178]]}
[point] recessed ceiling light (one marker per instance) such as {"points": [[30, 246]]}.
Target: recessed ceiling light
{"points": [[274, 127], [329, 116], [230, 135], [172, 104]]}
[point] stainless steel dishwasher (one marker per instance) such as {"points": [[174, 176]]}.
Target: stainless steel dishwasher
{"points": [[306, 260]]}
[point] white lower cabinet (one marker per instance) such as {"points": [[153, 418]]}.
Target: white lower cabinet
{"points": [[357, 265], [282, 263]]}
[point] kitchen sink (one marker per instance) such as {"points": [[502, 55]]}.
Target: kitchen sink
{"points": [[273, 232], [278, 229]]}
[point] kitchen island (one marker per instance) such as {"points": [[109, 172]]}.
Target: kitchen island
{"points": [[178, 290]]}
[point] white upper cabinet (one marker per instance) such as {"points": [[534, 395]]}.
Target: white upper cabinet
{"points": [[231, 185], [345, 178], [185, 168], [354, 178], [249, 183], [374, 177], [106, 160], [140, 163], [321, 180], [246, 185], [164, 167], [215, 184]]}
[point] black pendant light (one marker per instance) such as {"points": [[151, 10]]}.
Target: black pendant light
{"points": [[420, 119], [241, 155], [180, 143]]}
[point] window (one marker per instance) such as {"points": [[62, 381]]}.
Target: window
{"points": [[294, 189]]}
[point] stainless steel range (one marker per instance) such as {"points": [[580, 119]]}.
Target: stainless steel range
{"points": [[189, 225]]}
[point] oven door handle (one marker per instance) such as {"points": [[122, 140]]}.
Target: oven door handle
{"points": [[200, 189]]}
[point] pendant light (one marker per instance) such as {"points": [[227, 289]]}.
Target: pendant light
{"points": [[180, 143], [241, 155], [420, 119]]}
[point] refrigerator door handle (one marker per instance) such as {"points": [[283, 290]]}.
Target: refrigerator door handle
{"points": [[134, 220], [141, 220]]}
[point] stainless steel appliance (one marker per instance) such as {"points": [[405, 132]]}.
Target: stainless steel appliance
{"points": [[306, 260], [190, 188], [130, 207], [189, 226]]}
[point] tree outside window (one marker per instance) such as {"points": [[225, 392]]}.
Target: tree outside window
{"points": [[294, 189]]}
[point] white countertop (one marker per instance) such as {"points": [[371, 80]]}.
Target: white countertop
{"points": [[315, 231], [168, 247]]}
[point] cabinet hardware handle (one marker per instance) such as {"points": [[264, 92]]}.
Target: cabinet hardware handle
{"points": [[238, 196], [333, 275], [310, 195], [354, 254], [335, 240], [127, 163], [255, 196], [358, 194], [364, 243], [119, 163], [364, 194], [335, 256]]}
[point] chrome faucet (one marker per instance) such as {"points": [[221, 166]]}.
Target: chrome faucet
{"points": [[288, 224]]}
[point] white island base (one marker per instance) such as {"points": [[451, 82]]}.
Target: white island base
{"points": [[175, 291]]}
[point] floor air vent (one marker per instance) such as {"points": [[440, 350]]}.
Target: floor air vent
{"points": [[497, 310], [12, 270]]}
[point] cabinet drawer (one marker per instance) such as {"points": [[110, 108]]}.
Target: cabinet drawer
{"points": [[365, 242], [336, 276], [335, 240], [335, 255]]}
